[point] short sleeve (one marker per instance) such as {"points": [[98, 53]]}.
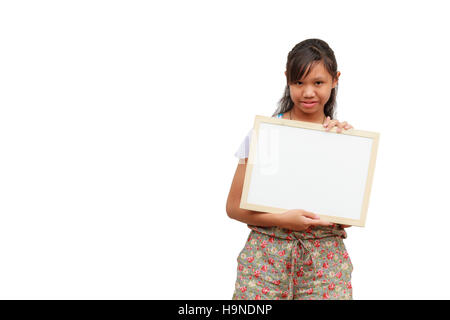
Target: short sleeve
{"points": [[243, 150]]}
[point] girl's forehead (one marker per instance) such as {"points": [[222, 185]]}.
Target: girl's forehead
{"points": [[315, 70]]}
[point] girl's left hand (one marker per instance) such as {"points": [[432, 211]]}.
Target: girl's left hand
{"points": [[329, 124]]}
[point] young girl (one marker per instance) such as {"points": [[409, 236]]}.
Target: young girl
{"points": [[295, 254]]}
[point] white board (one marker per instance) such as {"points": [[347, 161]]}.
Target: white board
{"points": [[299, 165]]}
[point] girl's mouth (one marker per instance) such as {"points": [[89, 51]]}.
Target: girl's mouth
{"points": [[309, 104]]}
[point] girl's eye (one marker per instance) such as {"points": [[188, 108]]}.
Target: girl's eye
{"points": [[317, 82]]}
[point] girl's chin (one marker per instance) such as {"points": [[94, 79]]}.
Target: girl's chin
{"points": [[309, 110]]}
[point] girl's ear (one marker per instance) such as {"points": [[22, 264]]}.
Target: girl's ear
{"points": [[335, 81]]}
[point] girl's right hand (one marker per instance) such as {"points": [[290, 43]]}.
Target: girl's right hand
{"points": [[300, 220]]}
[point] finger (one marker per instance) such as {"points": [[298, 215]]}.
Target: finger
{"points": [[347, 126], [321, 222], [327, 120], [343, 225], [340, 126], [310, 215], [318, 221], [331, 124], [343, 126]]}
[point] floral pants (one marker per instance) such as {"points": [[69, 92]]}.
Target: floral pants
{"points": [[295, 268]]}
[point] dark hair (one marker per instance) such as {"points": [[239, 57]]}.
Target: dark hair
{"points": [[300, 59]]}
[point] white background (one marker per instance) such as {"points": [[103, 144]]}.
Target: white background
{"points": [[119, 121]]}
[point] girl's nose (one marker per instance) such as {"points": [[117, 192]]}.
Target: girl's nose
{"points": [[309, 92]]}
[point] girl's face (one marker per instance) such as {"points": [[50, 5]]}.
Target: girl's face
{"points": [[311, 93]]}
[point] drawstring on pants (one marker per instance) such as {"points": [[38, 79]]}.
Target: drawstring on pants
{"points": [[298, 243]]}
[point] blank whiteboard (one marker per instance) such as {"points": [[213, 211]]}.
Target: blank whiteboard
{"points": [[298, 165]]}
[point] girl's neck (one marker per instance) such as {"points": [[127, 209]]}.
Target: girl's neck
{"points": [[317, 117]]}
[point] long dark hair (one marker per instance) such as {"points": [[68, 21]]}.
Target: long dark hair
{"points": [[300, 59]]}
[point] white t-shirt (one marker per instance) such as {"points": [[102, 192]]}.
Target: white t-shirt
{"points": [[244, 148]]}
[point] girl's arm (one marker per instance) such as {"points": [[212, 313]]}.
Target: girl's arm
{"points": [[256, 218]]}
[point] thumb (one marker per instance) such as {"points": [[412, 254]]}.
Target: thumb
{"points": [[310, 215]]}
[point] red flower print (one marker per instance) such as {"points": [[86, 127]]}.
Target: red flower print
{"points": [[243, 289], [258, 297], [326, 296], [320, 274], [271, 240], [264, 268], [325, 265], [265, 290], [309, 291], [349, 285], [336, 244], [330, 255], [284, 294], [277, 282], [288, 266], [339, 275], [309, 262], [295, 282], [282, 253], [331, 286], [271, 261], [241, 267], [257, 273], [264, 244], [300, 274], [317, 243], [345, 255], [250, 259]]}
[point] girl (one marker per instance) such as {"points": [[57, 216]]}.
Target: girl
{"points": [[295, 254]]}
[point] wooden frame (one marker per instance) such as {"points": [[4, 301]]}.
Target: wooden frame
{"points": [[329, 174]]}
